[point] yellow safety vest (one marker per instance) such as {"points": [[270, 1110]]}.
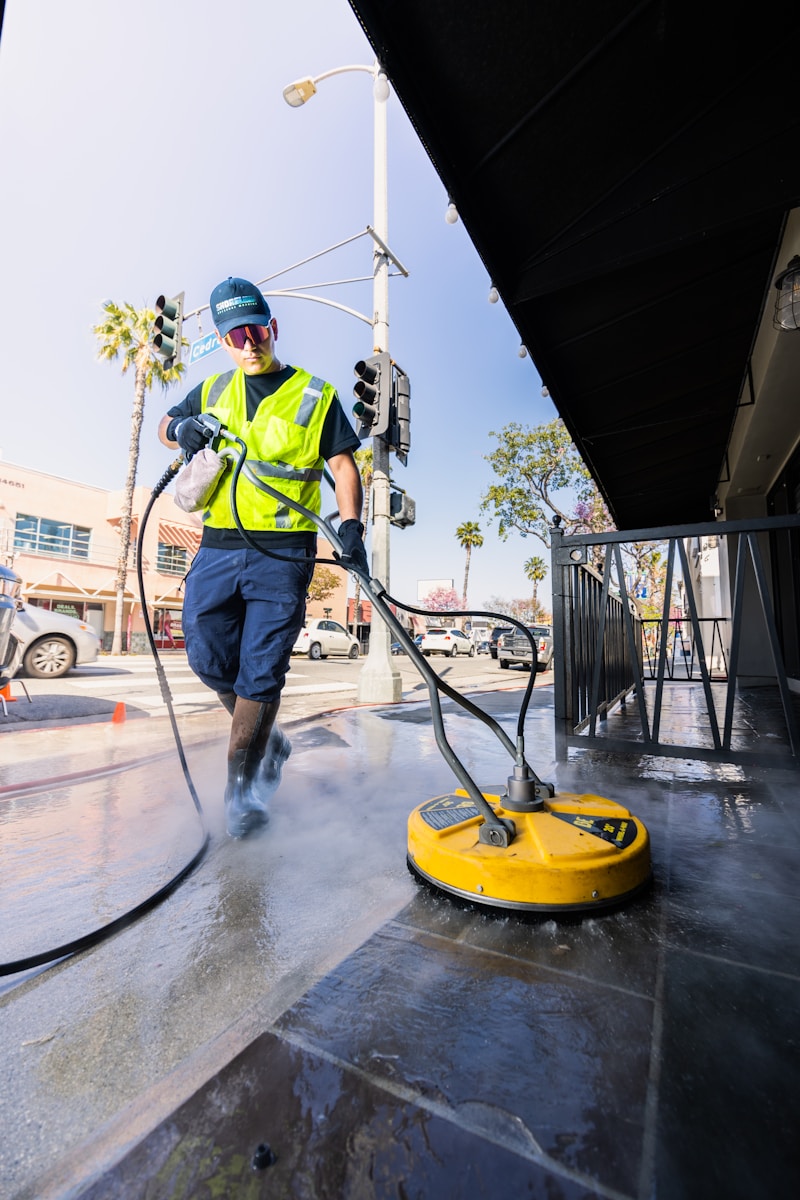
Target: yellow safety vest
{"points": [[283, 449]]}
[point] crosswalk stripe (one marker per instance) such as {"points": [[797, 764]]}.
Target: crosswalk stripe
{"points": [[156, 700], [153, 701], [309, 688], [115, 682]]}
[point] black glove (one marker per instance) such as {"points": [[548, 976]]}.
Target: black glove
{"points": [[191, 435], [351, 534]]}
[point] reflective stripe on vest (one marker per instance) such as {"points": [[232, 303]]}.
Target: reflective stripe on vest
{"points": [[217, 388], [283, 444], [283, 471], [311, 398]]}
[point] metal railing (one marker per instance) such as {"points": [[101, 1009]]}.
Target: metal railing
{"points": [[682, 661], [606, 658]]}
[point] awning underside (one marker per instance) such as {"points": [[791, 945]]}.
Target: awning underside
{"points": [[624, 173]]}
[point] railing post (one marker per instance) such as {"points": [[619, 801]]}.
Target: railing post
{"points": [[562, 658]]}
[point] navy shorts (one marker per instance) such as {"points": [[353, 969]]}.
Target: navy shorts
{"points": [[242, 613]]}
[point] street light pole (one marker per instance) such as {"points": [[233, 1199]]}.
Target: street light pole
{"points": [[380, 682]]}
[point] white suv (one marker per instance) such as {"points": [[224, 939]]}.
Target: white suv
{"points": [[446, 641]]}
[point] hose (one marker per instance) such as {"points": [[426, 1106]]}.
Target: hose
{"points": [[381, 600]]}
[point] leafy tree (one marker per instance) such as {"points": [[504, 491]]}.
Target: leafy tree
{"points": [[363, 459], [499, 605], [541, 475], [520, 609], [647, 576], [469, 535], [125, 331], [324, 583]]}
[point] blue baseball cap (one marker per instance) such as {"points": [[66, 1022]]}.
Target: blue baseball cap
{"points": [[237, 302]]}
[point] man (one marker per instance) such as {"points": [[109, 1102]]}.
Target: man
{"points": [[243, 609]]}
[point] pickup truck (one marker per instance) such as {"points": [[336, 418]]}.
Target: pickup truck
{"points": [[497, 633], [515, 648]]}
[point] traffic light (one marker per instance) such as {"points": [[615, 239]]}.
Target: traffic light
{"points": [[373, 394], [400, 435], [402, 509], [168, 329]]}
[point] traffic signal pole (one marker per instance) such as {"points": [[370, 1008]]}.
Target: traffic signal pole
{"points": [[380, 681]]}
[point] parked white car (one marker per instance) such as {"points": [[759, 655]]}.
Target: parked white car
{"points": [[322, 637], [446, 641], [51, 642]]}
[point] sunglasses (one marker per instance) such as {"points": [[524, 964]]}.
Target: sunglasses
{"points": [[255, 334]]}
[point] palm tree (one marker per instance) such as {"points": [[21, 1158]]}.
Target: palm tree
{"points": [[127, 331], [364, 463], [469, 535], [535, 570]]}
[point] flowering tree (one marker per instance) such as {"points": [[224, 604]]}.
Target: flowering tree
{"points": [[442, 600]]}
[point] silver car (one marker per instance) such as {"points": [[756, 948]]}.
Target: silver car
{"points": [[51, 642]]}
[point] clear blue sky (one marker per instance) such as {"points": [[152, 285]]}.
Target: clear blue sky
{"points": [[147, 148]]}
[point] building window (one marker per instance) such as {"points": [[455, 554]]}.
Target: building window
{"points": [[171, 560], [38, 535]]}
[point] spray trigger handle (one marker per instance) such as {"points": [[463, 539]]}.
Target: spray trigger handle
{"points": [[212, 425]]}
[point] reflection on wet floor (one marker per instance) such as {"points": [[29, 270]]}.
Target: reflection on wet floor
{"points": [[103, 845], [302, 990]]}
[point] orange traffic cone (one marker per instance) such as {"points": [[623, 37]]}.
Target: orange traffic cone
{"points": [[6, 694], [119, 713]]}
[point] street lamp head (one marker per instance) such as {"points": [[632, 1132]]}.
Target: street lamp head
{"points": [[298, 92], [451, 216], [380, 89], [787, 305]]}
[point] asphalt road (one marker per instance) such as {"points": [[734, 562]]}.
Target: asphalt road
{"points": [[94, 692]]}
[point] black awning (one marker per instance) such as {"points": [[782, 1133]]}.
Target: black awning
{"points": [[624, 171]]}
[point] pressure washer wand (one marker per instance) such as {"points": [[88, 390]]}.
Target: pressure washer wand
{"points": [[496, 831]]}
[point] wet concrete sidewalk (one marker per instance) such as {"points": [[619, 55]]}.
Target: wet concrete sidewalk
{"points": [[301, 990]]}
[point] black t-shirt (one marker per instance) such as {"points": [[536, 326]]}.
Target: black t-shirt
{"points": [[337, 437]]}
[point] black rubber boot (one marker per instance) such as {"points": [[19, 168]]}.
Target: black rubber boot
{"points": [[228, 700], [278, 750], [244, 810], [257, 752]]}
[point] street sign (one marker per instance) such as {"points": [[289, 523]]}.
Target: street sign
{"points": [[203, 346]]}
